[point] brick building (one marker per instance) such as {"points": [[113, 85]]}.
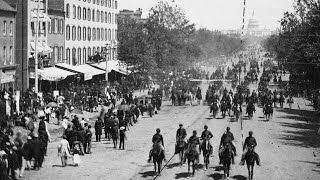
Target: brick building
{"points": [[26, 17], [7, 45]]}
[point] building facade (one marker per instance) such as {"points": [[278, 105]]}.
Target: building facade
{"points": [[26, 21], [56, 31], [137, 15], [89, 26], [7, 45]]}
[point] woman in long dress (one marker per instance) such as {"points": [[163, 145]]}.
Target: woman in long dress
{"points": [[64, 151]]}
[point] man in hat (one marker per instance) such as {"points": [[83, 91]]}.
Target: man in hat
{"points": [[98, 129], [88, 139], [13, 162], [250, 142], [157, 139], [227, 139], [181, 133], [207, 135], [3, 165], [122, 136], [26, 155], [37, 152]]}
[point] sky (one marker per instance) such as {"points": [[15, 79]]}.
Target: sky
{"points": [[222, 14]]}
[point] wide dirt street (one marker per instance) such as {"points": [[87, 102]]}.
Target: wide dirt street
{"points": [[285, 145]]}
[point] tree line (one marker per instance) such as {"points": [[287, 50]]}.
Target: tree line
{"points": [[167, 40], [297, 45]]}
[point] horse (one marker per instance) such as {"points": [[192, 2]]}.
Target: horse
{"points": [[250, 110], [192, 155], [180, 147], [226, 158], [157, 155], [268, 112], [214, 108], [224, 109], [206, 148], [251, 158]]}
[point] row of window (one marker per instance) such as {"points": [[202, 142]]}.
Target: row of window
{"points": [[91, 15], [5, 28], [7, 60], [55, 26], [80, 56], [90, 34], [106, 3], [41, 29], [57, 54]]}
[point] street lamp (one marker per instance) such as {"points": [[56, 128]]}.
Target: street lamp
{"points": [[110, 45]]}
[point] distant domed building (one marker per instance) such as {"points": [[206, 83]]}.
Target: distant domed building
{"points": [[254, 29]]}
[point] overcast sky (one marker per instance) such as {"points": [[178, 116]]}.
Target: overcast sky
{"points": [[221, 14]]}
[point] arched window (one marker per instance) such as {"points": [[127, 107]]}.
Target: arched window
{"points": [[116, 4], [68, 32], [98, 50], [84, 32], [74, 58], [94, 1], [106, 17], [109, 18], [68, 10], [89, 34], [93, 15], [112, 3], [74, 11], [102, 16], [60, 53], [106, 3], [89, 51], [106, 34], [98, 34], [116, 34], [102, 34], [94, 34], [109, 34], [84, 53], [98, 15], [112, 34], [74, 33], [98, 2], [109, 4], [79, 56], [89, 14], [79, 12], [68, 55], [61, 26], [112, 18], [84, 12], [79, 33], [102, 2], [94, 51]]}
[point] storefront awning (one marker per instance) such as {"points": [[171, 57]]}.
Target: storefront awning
{"points": [[115, 65], [85, 69], [52, 74], [42, 17], [41, 47]]}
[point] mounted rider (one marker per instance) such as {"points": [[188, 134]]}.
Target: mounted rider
{"points": [[226, 140], [157, 139], [250, 142], [181, 133], [193, 142], [207, 135]]}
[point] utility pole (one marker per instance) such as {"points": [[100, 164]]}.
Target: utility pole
{"points": [[36, 49]]}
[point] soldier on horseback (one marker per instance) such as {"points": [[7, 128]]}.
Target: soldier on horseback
{"points": [[248, 143], [181, 133], [226, 140], [207, 135], [157, 139], [193, 141]]}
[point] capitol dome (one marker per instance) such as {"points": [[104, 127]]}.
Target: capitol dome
{"points": [[253, 23]]}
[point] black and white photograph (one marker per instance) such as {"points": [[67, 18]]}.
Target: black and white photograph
{"points": [[159, 89]]}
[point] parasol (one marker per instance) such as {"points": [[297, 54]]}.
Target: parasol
{"points": [[124, 107], [52, 104], [76, 111]]}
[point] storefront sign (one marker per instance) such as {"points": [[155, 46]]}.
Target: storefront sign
{"points": [[7, 76]]}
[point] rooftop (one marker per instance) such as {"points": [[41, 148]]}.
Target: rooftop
{"points": [[6, 7]]}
